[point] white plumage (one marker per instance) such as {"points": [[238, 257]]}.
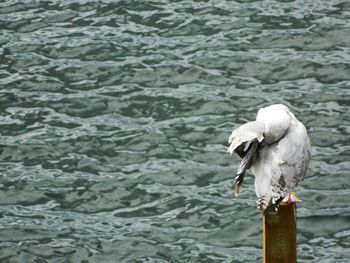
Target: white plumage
{"points": [[277, 149]]}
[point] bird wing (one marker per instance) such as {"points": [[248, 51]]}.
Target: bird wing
{"points": [[244, 141], [281, 166], [292, 156]]}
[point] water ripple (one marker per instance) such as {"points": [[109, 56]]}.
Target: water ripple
{"points": [[115, 117]]}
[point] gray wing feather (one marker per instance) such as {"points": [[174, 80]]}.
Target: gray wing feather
{"points": [[244, 141]]}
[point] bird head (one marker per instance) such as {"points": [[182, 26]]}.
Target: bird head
{"points": [[276, 119]]}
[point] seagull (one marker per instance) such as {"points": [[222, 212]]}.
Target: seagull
{"points": [[276, 147]]}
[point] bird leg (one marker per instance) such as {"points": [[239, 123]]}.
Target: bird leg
{"points": [[291, 198], [271, 207]]}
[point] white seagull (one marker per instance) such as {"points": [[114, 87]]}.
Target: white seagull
{"points": [[277, 149]]}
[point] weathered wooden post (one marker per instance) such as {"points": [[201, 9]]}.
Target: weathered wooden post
{"points": [[279, 235]]}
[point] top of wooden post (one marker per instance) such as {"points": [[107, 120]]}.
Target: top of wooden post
{"points": [[279, 235]]}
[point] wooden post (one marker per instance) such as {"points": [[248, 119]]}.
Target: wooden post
{"points": [[279, 235]]}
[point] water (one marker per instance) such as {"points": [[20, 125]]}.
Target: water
{"points": [[115, 117]]}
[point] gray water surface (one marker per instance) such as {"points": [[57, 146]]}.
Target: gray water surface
{"points": [[115, 117]]}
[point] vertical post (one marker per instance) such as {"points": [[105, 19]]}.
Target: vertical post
{"points": [[279, 235]]}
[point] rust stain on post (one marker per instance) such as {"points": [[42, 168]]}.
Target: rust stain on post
{"points": [[279, 236]]}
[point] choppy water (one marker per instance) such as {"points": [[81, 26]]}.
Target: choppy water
{"points": [[115, 117]]}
